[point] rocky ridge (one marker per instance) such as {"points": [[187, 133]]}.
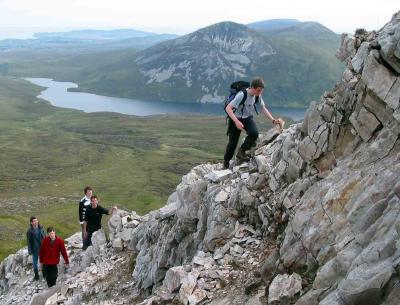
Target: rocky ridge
{"points": [[313, 218]]}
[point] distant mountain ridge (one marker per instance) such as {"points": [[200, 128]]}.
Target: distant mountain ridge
{"points": [[86, 41], [308, 30], [273, 24], [95, 34], [297, 62], [295, 58]]}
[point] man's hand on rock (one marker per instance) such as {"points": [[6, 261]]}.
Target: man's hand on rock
{"points": [[280, 123]]}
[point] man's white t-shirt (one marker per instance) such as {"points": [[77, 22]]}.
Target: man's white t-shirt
{"points": [[248, 107]]}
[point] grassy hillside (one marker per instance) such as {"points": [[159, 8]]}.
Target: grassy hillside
{"points": [[48, 154]]}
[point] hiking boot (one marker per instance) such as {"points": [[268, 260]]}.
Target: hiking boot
{"points": [[226, 165], [241, 156], [36, 278]]}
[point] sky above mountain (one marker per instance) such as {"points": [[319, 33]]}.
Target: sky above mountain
{"points": [[24, 17]]}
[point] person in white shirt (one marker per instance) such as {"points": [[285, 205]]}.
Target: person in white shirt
{"points": [[84, 203], [241, 118]]}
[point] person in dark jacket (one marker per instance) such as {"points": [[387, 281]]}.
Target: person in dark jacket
{"points": [[49, 254], [34, 236], [92, 220]]}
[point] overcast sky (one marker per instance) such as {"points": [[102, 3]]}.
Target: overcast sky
{"points": [[180, 16]]}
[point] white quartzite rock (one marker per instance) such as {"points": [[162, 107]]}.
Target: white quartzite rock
{"points": [[173, 278], [221, 196], [284, 286], [98, 240], [114, 225], [117, 244], [168, 210], [188, 284], [218, 176], [197, 296]]}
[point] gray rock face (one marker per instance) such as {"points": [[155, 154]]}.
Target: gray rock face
{"points": [[365, 123], [347, 49], [270, 266], [351, 236], [377, 77], [364, 283], [389, 40], [358, 61]]}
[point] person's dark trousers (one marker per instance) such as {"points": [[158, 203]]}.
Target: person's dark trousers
{"points": [[35, 259], [50, 273], [88, 241], [234, 135]]}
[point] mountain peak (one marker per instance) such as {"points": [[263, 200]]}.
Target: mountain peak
{"points": [[222, 51], [224, 26]]}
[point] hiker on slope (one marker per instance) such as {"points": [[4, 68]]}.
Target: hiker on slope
{"points": [[52, 247], [84, 204], [34, 236], [92, 220], [240, 112]]}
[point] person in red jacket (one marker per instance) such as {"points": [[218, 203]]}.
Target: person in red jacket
{"points": [[49, 255]]}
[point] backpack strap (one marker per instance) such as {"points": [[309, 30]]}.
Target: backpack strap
{"points": [[255, 103], [240, 104], [243, 99]]}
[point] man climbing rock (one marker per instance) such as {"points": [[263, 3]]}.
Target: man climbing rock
{"points": [[240, 111]]}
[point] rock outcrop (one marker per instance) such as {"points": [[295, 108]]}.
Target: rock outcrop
{"points": [[313, 218]]}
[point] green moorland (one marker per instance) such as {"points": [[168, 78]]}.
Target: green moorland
{"points": [[48, 154]]}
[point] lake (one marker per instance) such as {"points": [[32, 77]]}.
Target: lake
{"points": [[58, 95]]}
